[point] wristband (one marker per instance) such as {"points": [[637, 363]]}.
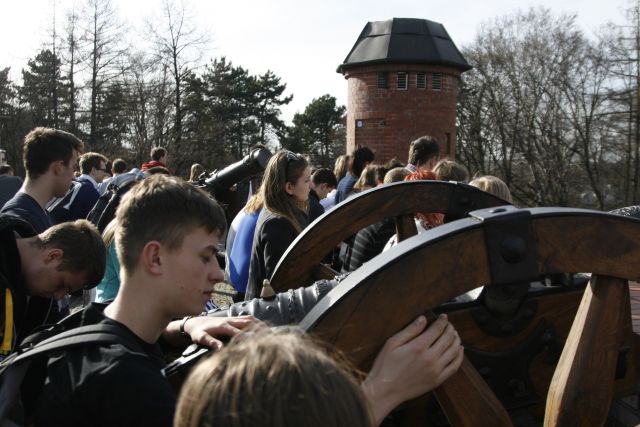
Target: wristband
{"points": [[182, 332]]}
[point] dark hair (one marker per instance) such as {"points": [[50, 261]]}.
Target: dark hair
{"points": [[83, 250], [164, 209], [423, 149], [359, 159], [118, 166], [157, 153], [324, 176], [5, 170], [271, 379], [43, 146], [91, 160], [157, 170]]}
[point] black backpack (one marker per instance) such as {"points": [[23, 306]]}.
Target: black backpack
{"points": [[105, 208], [23, 372]]}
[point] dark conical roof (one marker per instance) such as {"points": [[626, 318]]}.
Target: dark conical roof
{"points": [[404, 40]]}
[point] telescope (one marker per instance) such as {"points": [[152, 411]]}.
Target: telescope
{"points": [[252, 164]]}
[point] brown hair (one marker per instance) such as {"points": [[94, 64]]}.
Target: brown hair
{"points": [[43, 146], [396, 174], [91, 160], [83, 251], [283, 167], [271, 379], [163, 209], [423, 149], [448, 170], [118, 166], [367, 179], [157, 153]]}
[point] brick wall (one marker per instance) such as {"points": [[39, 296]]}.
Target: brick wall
{"points": [[387, 120]]}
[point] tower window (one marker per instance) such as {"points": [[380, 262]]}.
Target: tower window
{"points": [[437, 81], [383, 80], [402, 81], [421, 80]]}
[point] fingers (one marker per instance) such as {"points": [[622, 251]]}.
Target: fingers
{"points": [[408, 333], [208, 341], [453, 366]]}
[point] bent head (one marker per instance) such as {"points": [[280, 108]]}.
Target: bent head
{"points": [[271, 379], [69, 257]]}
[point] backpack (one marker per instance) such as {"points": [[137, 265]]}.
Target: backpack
{"points": [[59, 207], [105, 208], [23, 372]]}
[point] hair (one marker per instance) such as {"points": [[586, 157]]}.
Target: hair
{"points": [[83, 251], [396, 174], [157, 153], [493, 185], [341, 166], [423, 149], [394, 163], [368, 179], [271, 379], [91, 160], [157, 170], [360, 157], [164, 209], [428, 220], [118, 166], [448, 170], [5, 170], [283, 167], [324, 176], [380, 171], [196, 170], [43, 146]]}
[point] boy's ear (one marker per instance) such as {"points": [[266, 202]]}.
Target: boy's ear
{"points": [[52, 254], [150, 257]]}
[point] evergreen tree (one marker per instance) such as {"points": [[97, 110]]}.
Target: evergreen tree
{"points": [[44, 89]]}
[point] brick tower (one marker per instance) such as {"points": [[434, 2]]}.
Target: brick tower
{"points": [[403, 76]]}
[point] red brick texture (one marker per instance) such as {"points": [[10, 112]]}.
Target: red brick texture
{"points": [[387, 120]]}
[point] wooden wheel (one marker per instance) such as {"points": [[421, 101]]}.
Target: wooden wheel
{"points": [[495, 247], [300, 264]]}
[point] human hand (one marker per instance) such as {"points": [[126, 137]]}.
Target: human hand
{"points": [[411, 363], [203, 330]]}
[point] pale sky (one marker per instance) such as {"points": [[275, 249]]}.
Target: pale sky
{"points": [[303, 42]]}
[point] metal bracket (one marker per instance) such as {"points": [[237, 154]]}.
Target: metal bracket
{"points": [[461, 202], [510, 243]]}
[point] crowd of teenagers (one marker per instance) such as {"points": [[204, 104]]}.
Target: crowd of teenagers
{"points": [[155, 266]]}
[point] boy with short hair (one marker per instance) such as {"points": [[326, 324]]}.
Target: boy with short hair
{"points": [[63, 259], [167, 238], [50, 157]]}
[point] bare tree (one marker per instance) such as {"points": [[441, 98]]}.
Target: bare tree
{"points": [[178, 45], [104, 33]]}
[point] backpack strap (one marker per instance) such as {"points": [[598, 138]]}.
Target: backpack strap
{"points": [[100, 333]]}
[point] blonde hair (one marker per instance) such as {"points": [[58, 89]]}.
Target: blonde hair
{"points": [[270, 379], [341, 166], [196, 170], [367, 179], [493, 185], [448, 170], [283, 167]]}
